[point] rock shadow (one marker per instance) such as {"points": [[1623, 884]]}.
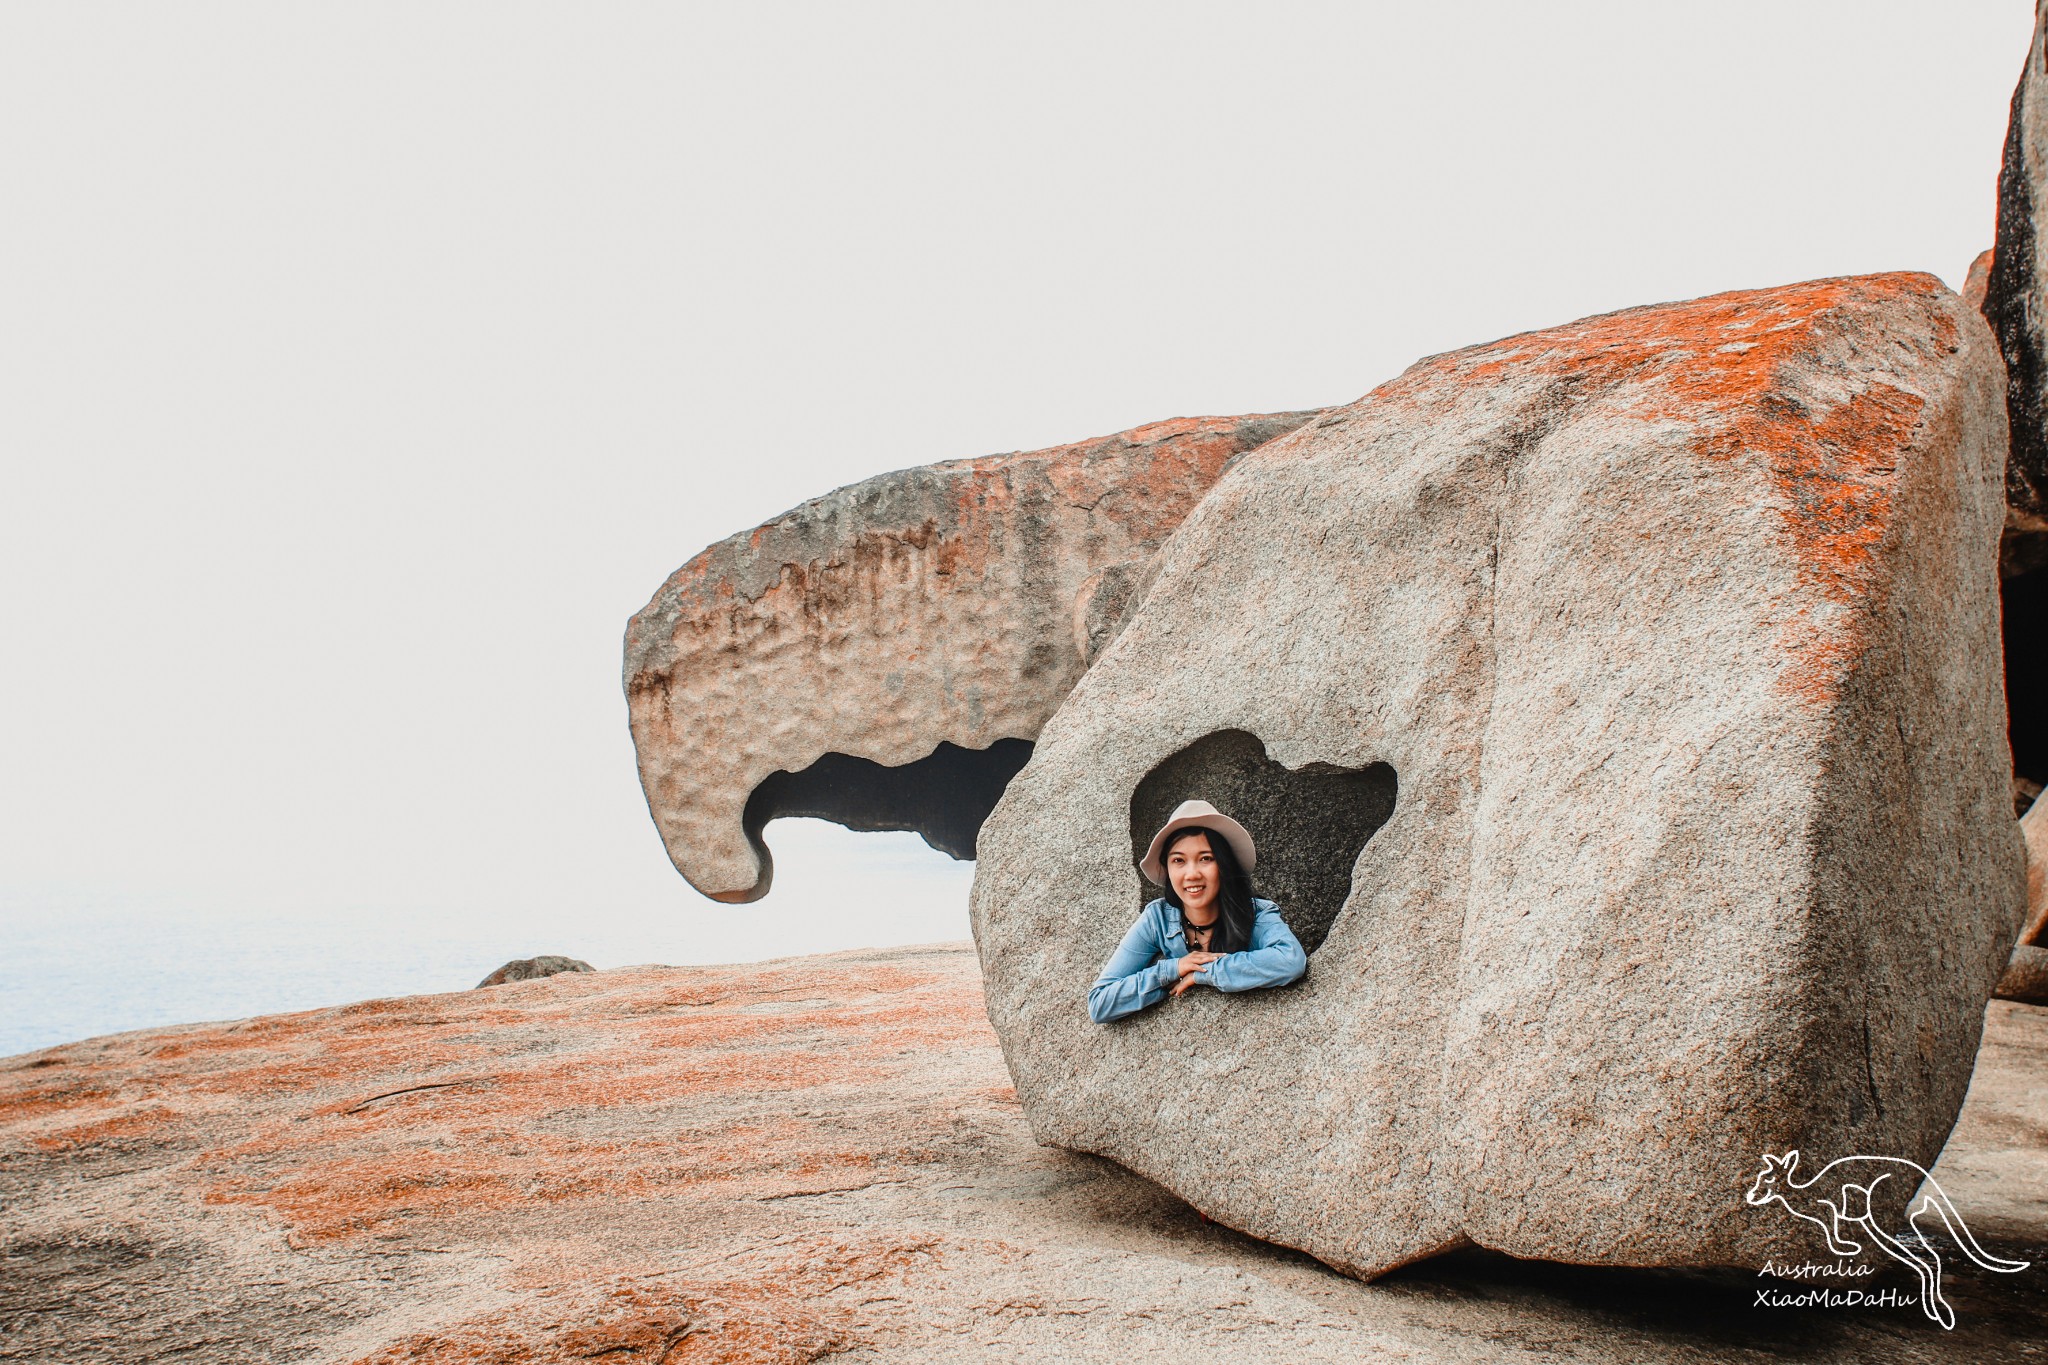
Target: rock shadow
{"points": [[944, 796], [1310, 823], [2023, 598]]}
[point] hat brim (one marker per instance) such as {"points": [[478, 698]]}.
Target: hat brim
{"points": [[1239, 837]]}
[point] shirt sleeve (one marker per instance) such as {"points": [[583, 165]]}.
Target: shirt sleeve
{"points": [[1131, 980], [1274, 959]]}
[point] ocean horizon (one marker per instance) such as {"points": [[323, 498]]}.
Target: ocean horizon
{"points": [[79, 967]]}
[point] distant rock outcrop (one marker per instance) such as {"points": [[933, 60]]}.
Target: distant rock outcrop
{"points": [[1674, 632], [532, 968], [882, 656]]}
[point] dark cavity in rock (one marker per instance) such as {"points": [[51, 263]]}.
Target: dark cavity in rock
{"points": [[2023, 597], [1309, 823], [944, 796], [2009, 309]]}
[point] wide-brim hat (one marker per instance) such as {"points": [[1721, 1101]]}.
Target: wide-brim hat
{"points": [[1197, 815]]}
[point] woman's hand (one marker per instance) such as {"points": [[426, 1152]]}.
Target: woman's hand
{"points": [[1189, 965]]}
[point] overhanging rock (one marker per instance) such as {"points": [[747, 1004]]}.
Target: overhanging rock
{"points": [[1675, 635], [883, 655]]}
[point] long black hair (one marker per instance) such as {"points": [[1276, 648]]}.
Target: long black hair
{"points": [[1233, 931]]}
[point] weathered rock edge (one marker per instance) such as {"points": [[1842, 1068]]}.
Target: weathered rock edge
{"points": [[1679, 627], [954, 602], [2016, 292]]}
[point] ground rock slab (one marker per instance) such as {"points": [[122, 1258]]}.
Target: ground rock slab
{"points": [[813, 1159]]}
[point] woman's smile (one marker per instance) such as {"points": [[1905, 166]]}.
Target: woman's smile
{"points": [[1192, 867]]}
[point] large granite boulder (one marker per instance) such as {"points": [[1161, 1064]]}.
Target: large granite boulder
{"points": [[883, 655], [1661, 651], [2016, 292]]}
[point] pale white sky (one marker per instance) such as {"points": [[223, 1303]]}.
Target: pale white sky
{"points": [[364, 367]]}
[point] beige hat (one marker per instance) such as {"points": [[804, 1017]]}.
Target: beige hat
{"points": [[1204, 816]]}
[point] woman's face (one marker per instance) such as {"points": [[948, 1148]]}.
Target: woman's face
{"points": [[1191, 866]]}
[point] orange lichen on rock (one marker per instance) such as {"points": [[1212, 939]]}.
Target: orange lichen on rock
{"points": [[399, 1111], [31, 1101], [952, 604], [1717, 367], [612, 1164], [736, 1319], [463, 1142], [897, 1209], [1667, 628], [146, 1124]]}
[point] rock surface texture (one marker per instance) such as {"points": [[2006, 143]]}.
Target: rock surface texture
{"points": [[819, 1158], [532, 968], [913, 632], [2016, 293], [2026, 976], [1678, 630]]}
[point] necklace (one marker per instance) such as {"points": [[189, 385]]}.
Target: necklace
{"points": [[1197, 934]]}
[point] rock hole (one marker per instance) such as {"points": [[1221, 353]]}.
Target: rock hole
{"points": [[1309, 823], [944, 796]]}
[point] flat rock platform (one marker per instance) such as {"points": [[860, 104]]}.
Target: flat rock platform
{"points": [[790, 1161]]}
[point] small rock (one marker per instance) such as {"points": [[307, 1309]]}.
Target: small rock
{"points": [[532, 968], [2026, 976], [2025, 791]]}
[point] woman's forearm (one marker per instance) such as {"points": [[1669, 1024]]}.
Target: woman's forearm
{"points": [[1275, 962], [1113, 997]]}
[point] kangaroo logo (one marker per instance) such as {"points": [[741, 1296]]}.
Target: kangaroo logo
{"points": [[1838, 1195]]}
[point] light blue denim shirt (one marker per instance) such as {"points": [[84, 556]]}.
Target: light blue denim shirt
{"points": [[1145, 965]]}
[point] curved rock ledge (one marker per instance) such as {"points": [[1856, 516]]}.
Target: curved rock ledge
{"points": [[949, 604]]}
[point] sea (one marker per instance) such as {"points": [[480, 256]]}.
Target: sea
{"points": [[77, 967]]}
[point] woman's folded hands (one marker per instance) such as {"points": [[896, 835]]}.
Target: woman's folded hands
{"points": [[1188, 966]]}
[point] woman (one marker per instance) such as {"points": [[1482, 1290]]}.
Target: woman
{"points": [[1208, 929]]}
